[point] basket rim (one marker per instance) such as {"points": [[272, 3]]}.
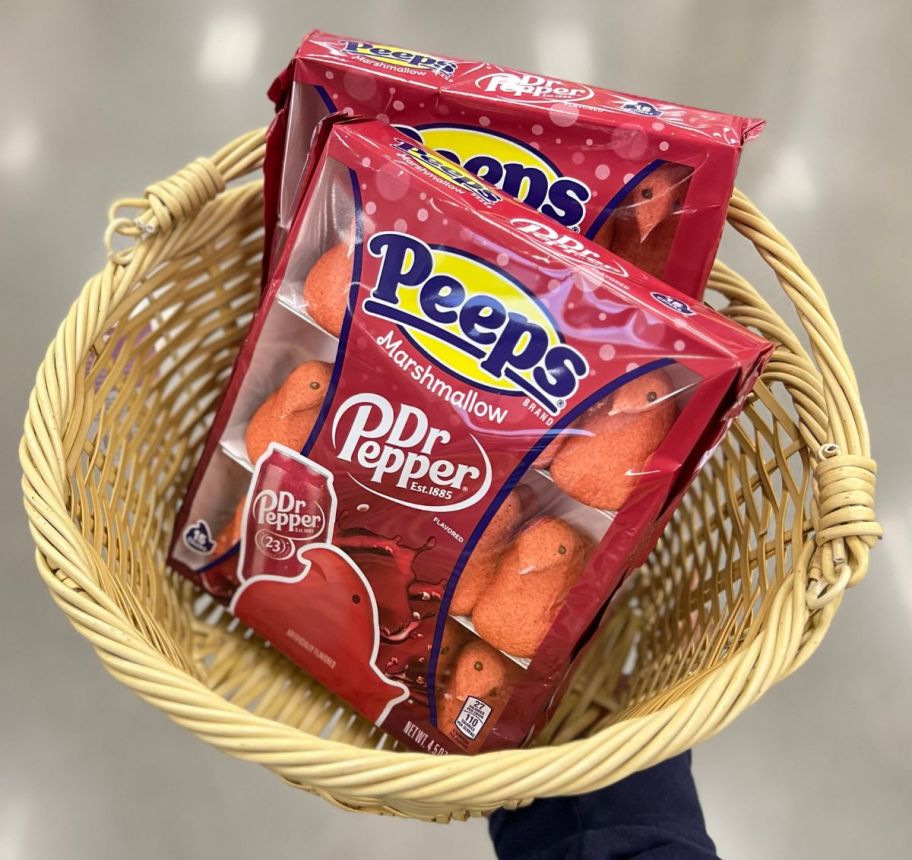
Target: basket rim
{"points": [[833, 557]]}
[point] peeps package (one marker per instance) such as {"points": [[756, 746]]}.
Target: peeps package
{"points": [[453, 428], [648, 180]]}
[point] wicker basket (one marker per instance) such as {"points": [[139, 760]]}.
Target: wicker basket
{"points": [[738, 594]]}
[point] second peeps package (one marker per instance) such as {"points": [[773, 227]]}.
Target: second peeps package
{"points": [[453, 428], [647, 179]]}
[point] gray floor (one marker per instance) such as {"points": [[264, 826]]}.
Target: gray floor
{"points": [[98, 99]]}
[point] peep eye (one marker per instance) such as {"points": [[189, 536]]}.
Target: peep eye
{"points": [[647, 193], [479, 665], [562, 550], [314, 385], [356, 598], [652, 397]]}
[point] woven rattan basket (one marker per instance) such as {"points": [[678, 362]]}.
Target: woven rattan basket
{"points": [[738, 594]]}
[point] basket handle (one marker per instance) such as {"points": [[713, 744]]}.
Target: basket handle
{"points": [[181, 196], [845, 475]]}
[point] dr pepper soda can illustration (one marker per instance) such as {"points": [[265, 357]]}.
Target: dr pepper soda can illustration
{"points": [[290, 505]]}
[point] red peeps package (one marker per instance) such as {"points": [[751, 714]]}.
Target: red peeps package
{"points": [[452, 430], [648, 180]]}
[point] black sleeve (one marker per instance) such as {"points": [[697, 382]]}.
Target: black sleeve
{"points": [[653, 815]]}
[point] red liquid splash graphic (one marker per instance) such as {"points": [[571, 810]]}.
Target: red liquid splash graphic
{"points": [[407, 603]]}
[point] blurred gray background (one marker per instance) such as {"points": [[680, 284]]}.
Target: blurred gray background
{"points": [[99, 99]]}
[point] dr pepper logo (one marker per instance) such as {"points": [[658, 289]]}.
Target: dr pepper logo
{"points": [[474, 321], [560, 241], [401, 57], [288, 516], [396, 452], [532, 88]]}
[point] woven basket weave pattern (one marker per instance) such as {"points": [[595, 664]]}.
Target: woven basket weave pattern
{"points": [[738, 593]]}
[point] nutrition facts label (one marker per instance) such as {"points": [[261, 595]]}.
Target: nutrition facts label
{"points": [[472, 717]]}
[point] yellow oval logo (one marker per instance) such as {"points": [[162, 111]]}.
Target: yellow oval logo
{"points": [[512, 165], [473, 320]]}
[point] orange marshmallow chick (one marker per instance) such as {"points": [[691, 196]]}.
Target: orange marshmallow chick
{"points": [[327, 286], [659, 195], [650, 254], [451, 643], [505, 520], [549, 452], [454, 639], [483, 562], [522, 601], [643, 227], [480, 672], [474, 579], [288, 415], [600, 465], [231, 533]]}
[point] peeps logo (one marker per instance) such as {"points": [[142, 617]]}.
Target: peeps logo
{"points": [[470, 319], [447, 170], [198, 537], [532, 88], [641, 108], [512, 166], [675, 304], [402, 58]]}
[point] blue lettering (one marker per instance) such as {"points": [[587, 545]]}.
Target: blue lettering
{"points": [[487, 168], [521, 345], [421, 61], [563, 200], [566, 200], [480, 318], [437, 295], [528, 184], [451, 172], [394, 271], [563, 365]]}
